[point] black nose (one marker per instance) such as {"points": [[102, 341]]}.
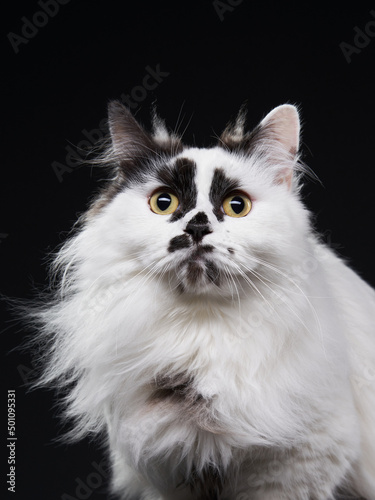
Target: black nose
{"points": [[198, 227]]}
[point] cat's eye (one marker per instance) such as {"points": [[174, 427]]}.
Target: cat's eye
{"points": [[163, 203], [237, 205]]}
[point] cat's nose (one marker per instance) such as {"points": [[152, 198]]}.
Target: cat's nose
{"points": [[197, 231], [198, 227]]}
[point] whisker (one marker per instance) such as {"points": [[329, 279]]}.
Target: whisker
{"points": [[299, 290]]}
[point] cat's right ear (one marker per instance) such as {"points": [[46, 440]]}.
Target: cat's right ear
{"points": [[130, 142]]}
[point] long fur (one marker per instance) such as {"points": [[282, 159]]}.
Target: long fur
{"points": [[255, 384]]}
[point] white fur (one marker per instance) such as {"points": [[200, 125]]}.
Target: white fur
{"points": [[284, 349]]}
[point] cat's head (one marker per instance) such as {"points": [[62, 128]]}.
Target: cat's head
{"points": [[207, 220]]}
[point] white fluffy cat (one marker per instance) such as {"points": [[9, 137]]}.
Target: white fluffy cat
{"points": [[225, 351]]}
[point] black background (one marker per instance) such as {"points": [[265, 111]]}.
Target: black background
{"points": [[60, 82]]}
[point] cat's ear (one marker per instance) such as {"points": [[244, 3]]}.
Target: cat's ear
{"points": [[131, 143], [129, 139], [276, 138], [282, 125], [280, 131]]}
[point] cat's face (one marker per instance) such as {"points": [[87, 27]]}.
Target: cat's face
{"points": [[207, 220], [204, 219]]}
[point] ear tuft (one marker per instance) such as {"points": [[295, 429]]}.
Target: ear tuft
{"points": [[234, 132], [168, 142]]}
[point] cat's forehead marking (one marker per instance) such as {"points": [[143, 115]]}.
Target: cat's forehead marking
{"points": [[221, 186], [180, 177], [212, 179]]}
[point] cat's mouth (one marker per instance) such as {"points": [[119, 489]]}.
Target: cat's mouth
{"points": [[198, 270], [200, 252]]}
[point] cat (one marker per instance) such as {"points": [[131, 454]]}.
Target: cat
{"points": [[199, 322]]}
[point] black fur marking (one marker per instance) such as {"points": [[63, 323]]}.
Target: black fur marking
{"points": [[197, 231], [206, 485], [177, 387], [180, 179], [179, 390], [194, 272], [199, 218], [213, 272], [179, 242], [198, 227], [202, 249], [177, 393], [198, 268], [221, 186]]}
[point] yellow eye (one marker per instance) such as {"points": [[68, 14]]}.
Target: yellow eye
{"points": [[237, 205], [163, 203]]}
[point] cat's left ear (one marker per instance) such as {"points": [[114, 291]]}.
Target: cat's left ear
{"points": [[275, 138], [281, 132], [282, 125]]}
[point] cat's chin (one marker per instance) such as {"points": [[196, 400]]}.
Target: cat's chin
{"points": [[198, 274]]}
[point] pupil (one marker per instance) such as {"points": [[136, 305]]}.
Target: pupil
{"points": [[237, 204], [164, 200]]}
